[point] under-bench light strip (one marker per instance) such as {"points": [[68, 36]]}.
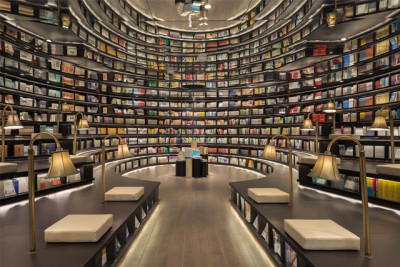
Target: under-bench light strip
{"points": [[352, 200], [63, 193]]}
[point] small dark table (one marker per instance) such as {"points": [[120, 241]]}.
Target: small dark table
{"points": [[180, 168]]}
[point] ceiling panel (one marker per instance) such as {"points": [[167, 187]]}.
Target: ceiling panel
{"points": [[222, 14]]}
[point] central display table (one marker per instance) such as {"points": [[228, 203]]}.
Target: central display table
{"points": [[192, 167]]}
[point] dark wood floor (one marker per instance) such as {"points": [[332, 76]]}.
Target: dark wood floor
{"points": [[194, 224]]}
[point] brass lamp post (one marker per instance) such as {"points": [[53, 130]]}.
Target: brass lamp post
{"points": [[380, 125], [330, 108], [62, 108], [326, 168], [123, 152], [82, 125], [270, 153], [308, 126], [13, 123], [60, 166]]}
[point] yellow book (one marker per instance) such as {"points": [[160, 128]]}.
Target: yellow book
{"points": [[382, 47], [103, 131], [386, 190], [397, 191], [112, 130], [382, 32], [362, 115]]}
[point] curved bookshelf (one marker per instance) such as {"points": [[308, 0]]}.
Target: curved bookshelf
{"points": [[257, 88]]}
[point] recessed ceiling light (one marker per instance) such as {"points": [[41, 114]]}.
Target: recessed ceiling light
{"points": [[65, 27], [207, 6], [48, 40], [343, 39]]}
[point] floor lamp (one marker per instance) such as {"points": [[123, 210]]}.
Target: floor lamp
{"points": [[62, 108], [123, 152], [13, 123], [270, 153], [60, 166], [326, 168], [82, 125], [331, 108], [380, 125], [308, 126]]}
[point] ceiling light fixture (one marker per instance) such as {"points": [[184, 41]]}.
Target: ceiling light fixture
{"points": [[343, 39], [207, 6], [48, 40]]}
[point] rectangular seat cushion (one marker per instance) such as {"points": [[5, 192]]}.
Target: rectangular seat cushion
{"points": [[8, 167], [79, 228], [268, 195], [321, 235], [124, 193], [388, 169]]}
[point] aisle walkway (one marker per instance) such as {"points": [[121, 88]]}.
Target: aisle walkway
{"points": [[194, 224]]}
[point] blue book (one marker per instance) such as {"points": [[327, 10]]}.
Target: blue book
{"points": [[16, 186], [345, 104], [362, 101], [346, 61]]}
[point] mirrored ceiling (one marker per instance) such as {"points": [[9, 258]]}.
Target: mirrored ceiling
{"points": [[222, 14]]}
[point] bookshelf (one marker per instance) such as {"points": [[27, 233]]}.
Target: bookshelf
{"points": [[256, 84]]}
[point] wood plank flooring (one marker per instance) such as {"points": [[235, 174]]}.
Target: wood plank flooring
{"points": [[194, 224]]}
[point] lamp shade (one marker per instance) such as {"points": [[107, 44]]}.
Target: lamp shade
{"points": [[331, 19], [330, 107], [379, 123], [269, 152], [65, 107], [61, 165], [326, 168], [307, 125], [13, 122], [83, 124], [123, 151], [65, 20]]}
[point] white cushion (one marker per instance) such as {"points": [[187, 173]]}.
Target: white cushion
{"points": [[311, 159], [77, 159], [321, 235], [79, 228], [124, 193], [355, 136], [388, 169], [8, 167], [268, 195]]}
